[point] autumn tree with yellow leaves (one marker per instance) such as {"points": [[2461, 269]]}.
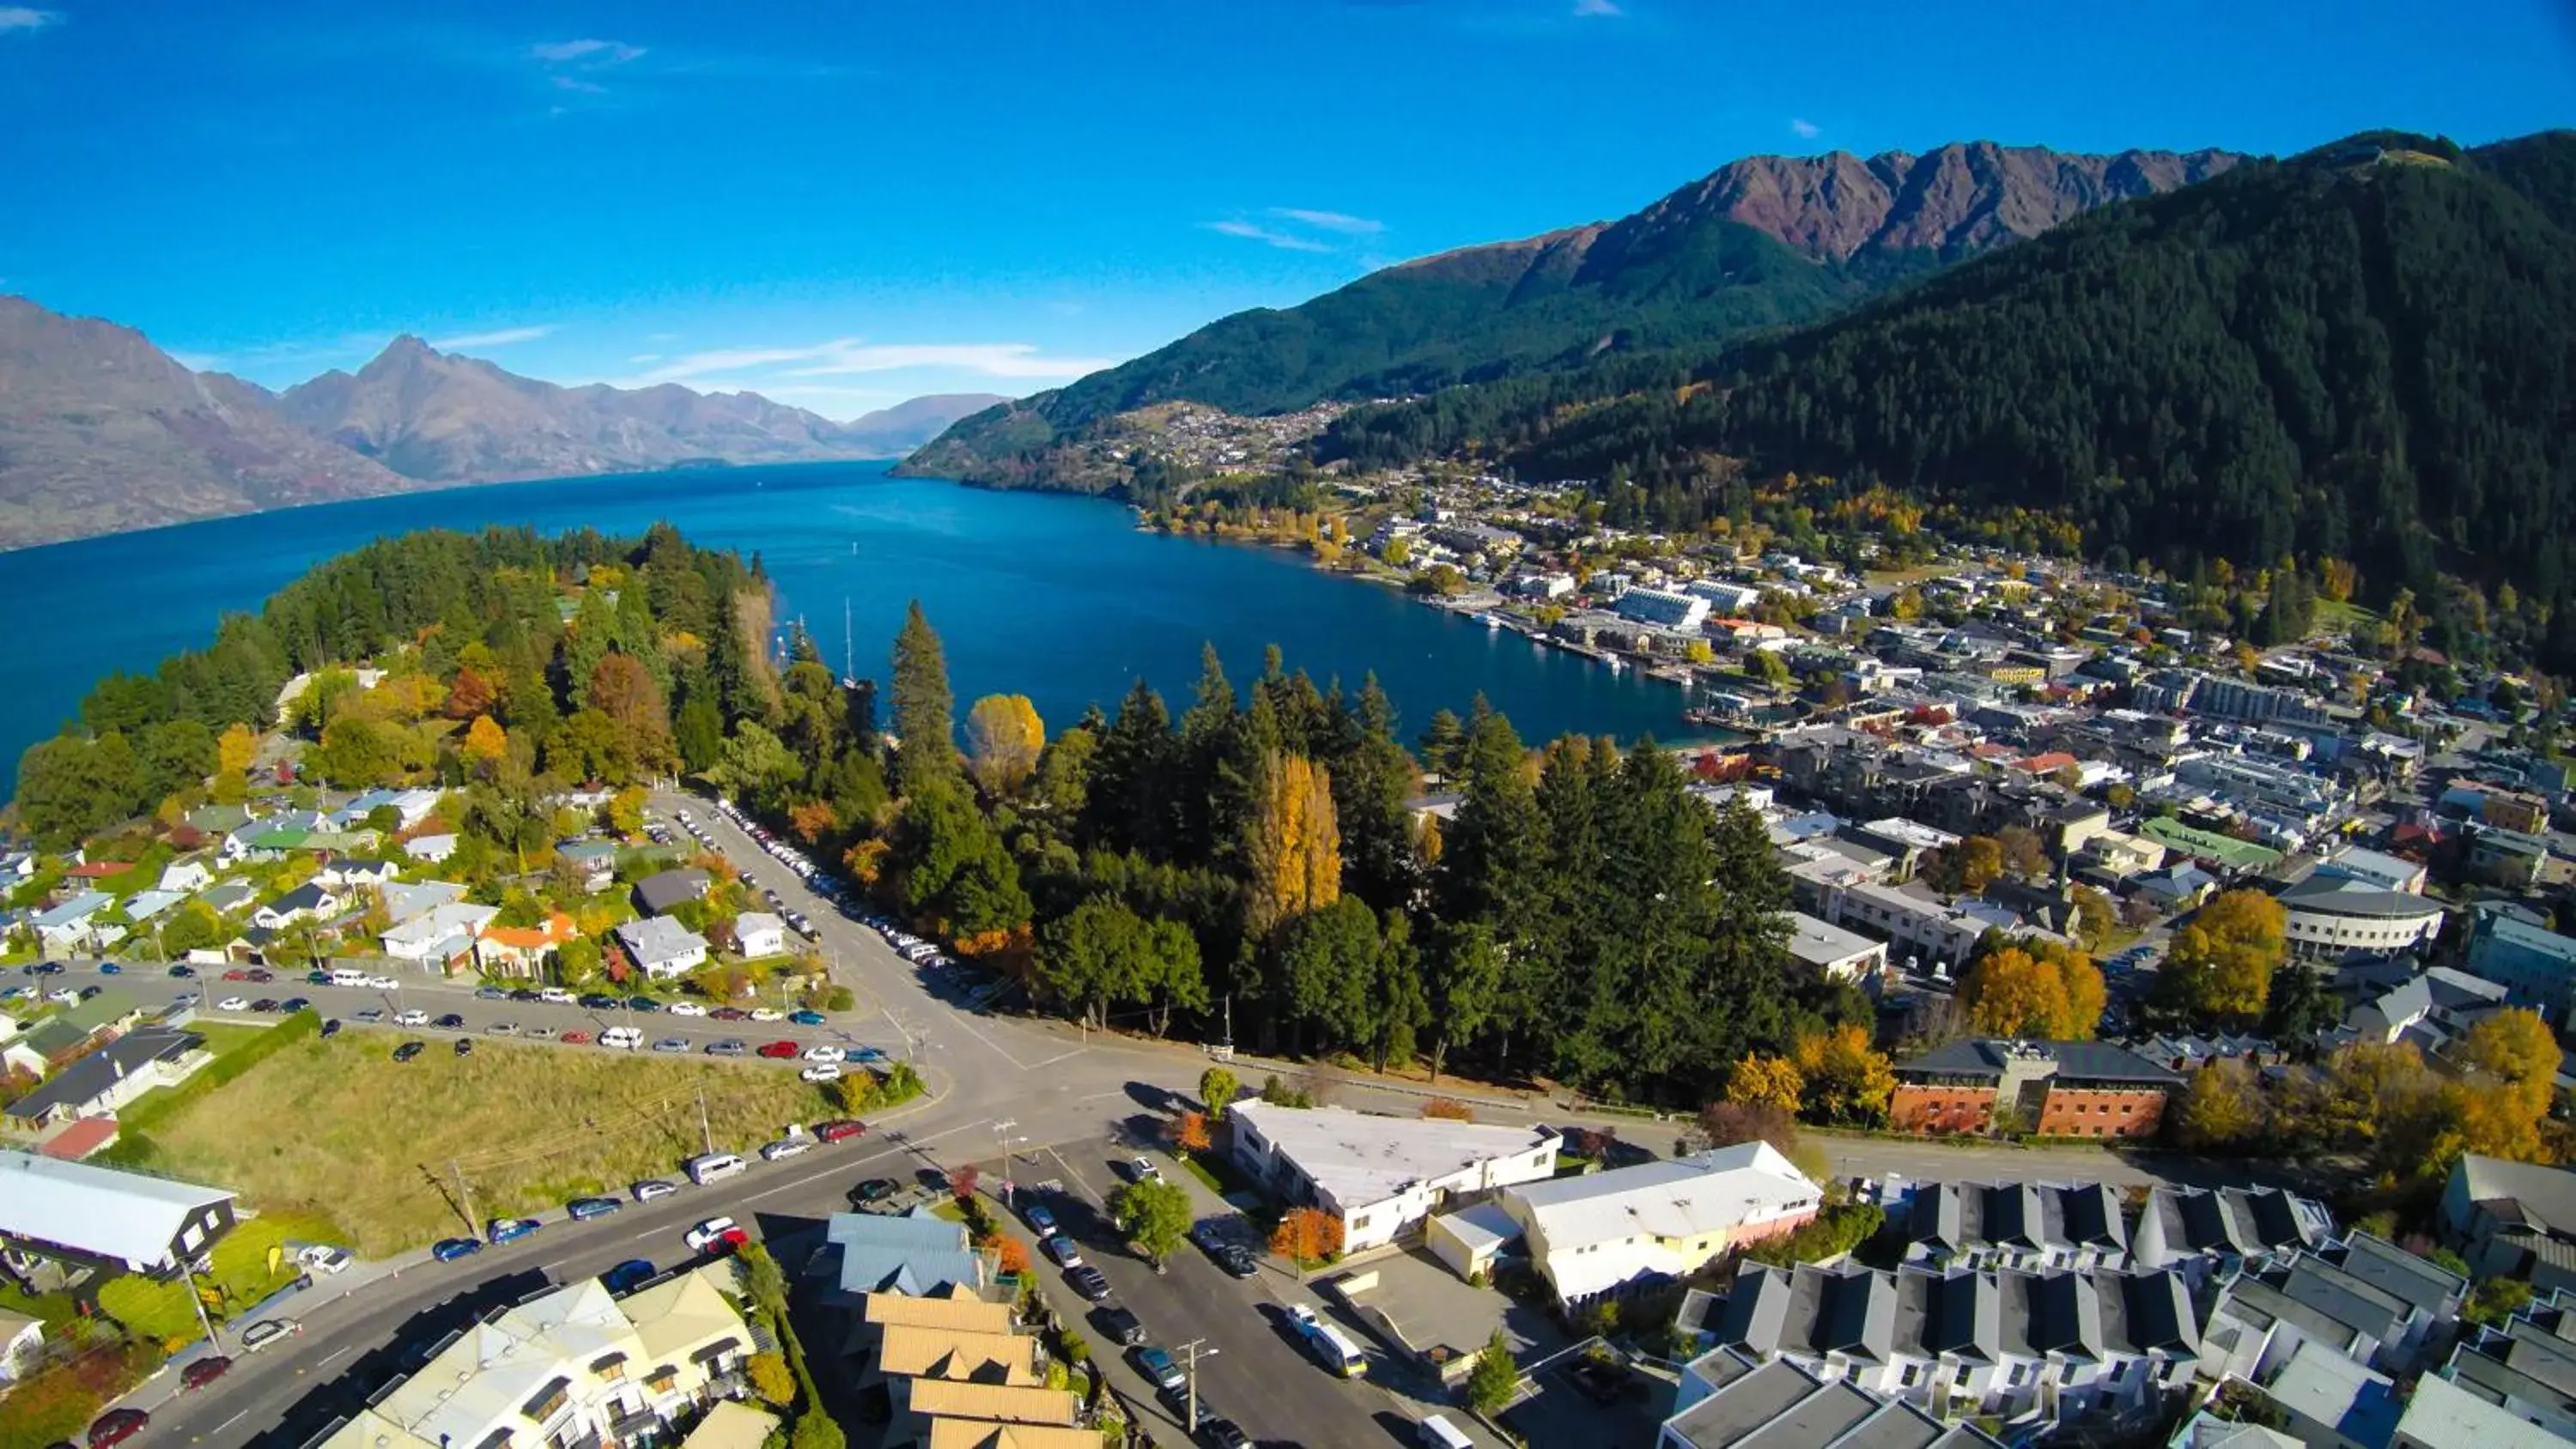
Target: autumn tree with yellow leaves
{"points": [[2035, 989], [1296, 857], [1004, 738]]}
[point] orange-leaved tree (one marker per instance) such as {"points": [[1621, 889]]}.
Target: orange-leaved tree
{"points": [[1307, 1235]]}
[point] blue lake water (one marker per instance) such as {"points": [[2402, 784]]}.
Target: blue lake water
{"points": [[1056, 597]]}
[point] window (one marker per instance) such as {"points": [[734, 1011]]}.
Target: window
{"points": [[1960, 1379], [1912, 1372], [2020, 1374], [192, 1237]]}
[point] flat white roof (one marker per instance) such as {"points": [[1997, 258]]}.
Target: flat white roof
{"points": [[1685, 1197], [123, 1215], [1359, 1159], [1822, 943]]}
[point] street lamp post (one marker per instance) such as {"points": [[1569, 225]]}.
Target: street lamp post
{"points": [[1194, 1348]]}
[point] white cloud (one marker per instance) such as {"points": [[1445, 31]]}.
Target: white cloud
{"points": [[725, 367], [576, 84], [646, 357], [1267, 236], [19, 17], [1804, 129], [589, 51], [1592, 9], [1340, 221], [501, 337]]}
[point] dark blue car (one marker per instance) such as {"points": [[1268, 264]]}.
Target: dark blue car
{"points": [[627, 1276], [507, 1230], [583, 1209], [448, 1250]]}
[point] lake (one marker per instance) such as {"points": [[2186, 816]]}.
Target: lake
{"points": [[1056, 597]]}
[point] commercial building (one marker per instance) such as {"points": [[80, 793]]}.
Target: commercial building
{"points": [[571, 1366], [1837, 954], [1381, 1175], [2536, 968], [97, 1217], [1920, 924], [2054, 1088], [2333, 920], [1657, 1222], [1664, 609]]}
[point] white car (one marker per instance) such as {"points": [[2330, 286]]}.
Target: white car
{"points": [[233, 1003], [326, 1258], [653, 1187], [707, 1232], [621, 1038], [826, 1054], [66, 995], [383, 983], [822, 1072], [764, 1013], [267, 1331], [787, 1147], [414, 1017], [686, 1008], [556, 995]]}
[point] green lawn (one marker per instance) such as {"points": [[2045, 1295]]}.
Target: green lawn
{"points": [[336, 1132]]}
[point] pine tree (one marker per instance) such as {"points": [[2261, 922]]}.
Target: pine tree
{"points": [[924, 709]]}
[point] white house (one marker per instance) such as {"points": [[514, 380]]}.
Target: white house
{"points": [[663, 947], [309, 901], [1838, 954], [348, 875], [1381, 1175], [186, 876], [72, 925], [430, 849], [440, 934], [759, 933], [1658, 1221]]}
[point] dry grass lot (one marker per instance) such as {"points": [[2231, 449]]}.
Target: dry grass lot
{"points": [[339, 1128]]}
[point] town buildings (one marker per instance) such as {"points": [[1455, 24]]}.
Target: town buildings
{"points": [[1381, 1176], [2052, 1088], [1656, 1222]]}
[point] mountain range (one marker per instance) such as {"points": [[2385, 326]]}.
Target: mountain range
{"points": [[101, 431], [1762, 243]]}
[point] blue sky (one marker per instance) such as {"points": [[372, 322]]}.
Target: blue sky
{"points": [[848, 202]]}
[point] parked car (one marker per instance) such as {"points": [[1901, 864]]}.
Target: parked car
{"points": [[599, 1001], [293, 1004], [653, 1187], [1041, 1217], [411, 1017], [267, 1331], [1157, 1366], [556, 996], [575, 1037], [687, 1008], [229, 1003], [448, 1250], [110, 968], [371, 1014], [325, 1257], [502, 1028], [729, 1013], [671, 1044], [626, 1276], [491, 993], [116, 1426], [1121, 1324], [716, 1237], [450, 1022], [510, 1230], [875, 1189], [839, 1130], [825, 1053], [1088, 1281], [410, 1049], [266, 1004], [1063, 1249], [1224, 1434], [821, 1072], [729, 1047], [780, 1050], [642, 1003], [806, 1018], [1142, 1169], [331, 1027], [203, 1371], [786, 1147], [184, 972], [764, 1013], [583, 1209], [374, 983]]}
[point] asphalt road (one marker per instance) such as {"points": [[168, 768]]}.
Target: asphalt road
{"points": [[1004, 1086]]}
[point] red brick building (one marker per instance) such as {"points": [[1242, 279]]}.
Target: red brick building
{"points": [[2053, 1088]]}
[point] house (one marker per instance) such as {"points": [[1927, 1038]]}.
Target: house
{"points": [[2055, 1088], [914, 1253], [575, 1365], [430, 849], [187, 876], [2537, 968], [2177, 888], [1835, 953], [72, 927], [759, 933], [225, 897], [521, 950], [410, 808], [662, 947], [2514, 1219], [2445, 1414], [2261, 1319], [2335, 1402], [2221, 1232], [441, 936], [1656, 1222], [2064, 1343], [410, 902], [1729, 1397], [2026, 1225], [2428, 1010], [115, 1074], [307, 902], [2333, 919], [350, 875], [1381, 1175], [657, 893], [22, 1340], [594, 861], [124, 1222], [144, 905]]}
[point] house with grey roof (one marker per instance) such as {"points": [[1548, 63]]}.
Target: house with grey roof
{"points": [[915, 1253], [2260, 1320], [2428, 1010], [2515, 1219], [406, 900], [662, 947], [2335, 1403], [74, 926], [1728, 1397], [2218, 1233], [2013, 1225], [115, 1074], [2062, 1343], [658, 893], [227, 896], [2449, 1413], [98, 1217]]}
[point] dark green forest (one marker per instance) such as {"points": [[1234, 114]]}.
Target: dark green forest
{"points": [[2367, 353]]}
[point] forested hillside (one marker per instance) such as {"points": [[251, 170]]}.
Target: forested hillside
{"points": [[2367, 353]]}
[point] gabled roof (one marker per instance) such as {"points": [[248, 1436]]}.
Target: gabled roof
{"points": [[2090, 1061], [937, 1310], [914, 1253], [2420, 1283], [123, 1215], [659, 938], [985, 1358], [996, 1402], [91, 1077], [2522, 1193], [1778, 1405]]}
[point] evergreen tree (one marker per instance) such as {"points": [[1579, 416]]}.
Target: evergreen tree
{"points": [[924, 709]]}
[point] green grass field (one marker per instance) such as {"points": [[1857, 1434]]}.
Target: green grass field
{"points": [[338, 1131]]}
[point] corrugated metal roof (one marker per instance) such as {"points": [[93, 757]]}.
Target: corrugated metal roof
{"points": [[122, 1215]]}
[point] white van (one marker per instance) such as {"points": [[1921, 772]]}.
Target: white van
{"points": [[1435, 1432], [713, 1167], [343, 976], [623, 1038]]}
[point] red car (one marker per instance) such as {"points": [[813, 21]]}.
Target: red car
{"points": [[236, 974], [839, 1131], [576, 1038], [726, 1243], [729, 1013], [204, 1371], [781, 1050], [116, 1426]]}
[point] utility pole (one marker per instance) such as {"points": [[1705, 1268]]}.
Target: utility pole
{"points": [[464, 1198], [197, 1300], [1192, 1348], [706, 1133]]}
